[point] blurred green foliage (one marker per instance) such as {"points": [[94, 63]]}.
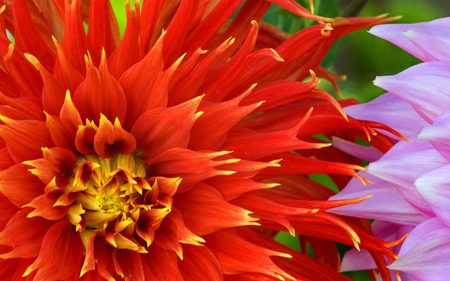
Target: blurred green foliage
{"points": [[360, 56]]}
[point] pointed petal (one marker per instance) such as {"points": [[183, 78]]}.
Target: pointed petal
{"points": [[75, 41], [178, 28], [165, 270], [396, 208], [424, 86], [394, 167], [205, 31], [131, 262], [390, 110], [355, 260], [295, 8], [435, 189], [61, 242], [368, 153], [19, 185], [200, 264], [103, 29], [437, 135], [28, 35], [191, 166], [160, 129], [427, 41], [174, 232], [236, 186], [112, 138], [43, 206], [24, 138], [252, 144], [24, 235], [205, 211], [100, 93], [129, 50], [217, 120], [235, 254], [426, 259], [134, 85]]}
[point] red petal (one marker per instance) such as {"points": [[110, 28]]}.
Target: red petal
{"points": [[163, 128], [5, 159], [111, 139], [234, 253], [24, 138], [60, 243], [25, 75], [100, 93], [103, 30], [200, 264], [189, 165], [134, 85], [43, 206], [151, 10], [61, 134], [19, 185], [206, 30], [53, 92], [89, 259], [173, 231], [57, 163], [166, 269], [24, 235], [131, 262], [65, 72], [8, 210], [217, 120], [294, 165], [217, 86], [84, 139], [300, 266], [29, 37], [75, 41], [178, 28], [295, 8], [252, 145], [189, 86], [235, 186], [24, 108], [278, 93], [129, 50], [205, 211], [12, 269]]}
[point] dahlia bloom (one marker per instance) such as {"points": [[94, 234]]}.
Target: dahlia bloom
{"points": [[175, 152], [411, 191]]}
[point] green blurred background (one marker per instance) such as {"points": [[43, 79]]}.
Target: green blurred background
{"points": [[360, 56]]}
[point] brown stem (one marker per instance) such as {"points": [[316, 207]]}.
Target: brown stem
{"points": [[352, 8]]}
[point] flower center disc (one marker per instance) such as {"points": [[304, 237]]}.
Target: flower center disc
{"points": [[115, 200]]}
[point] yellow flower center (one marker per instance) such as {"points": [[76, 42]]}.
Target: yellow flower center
{"points": [[115, 200]]}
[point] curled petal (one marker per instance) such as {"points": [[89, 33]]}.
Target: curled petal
{"points": [[112, 138]]}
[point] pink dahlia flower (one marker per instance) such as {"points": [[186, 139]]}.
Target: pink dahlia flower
{"points": [[411, 186]]}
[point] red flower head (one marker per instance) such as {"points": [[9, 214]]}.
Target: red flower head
{"points": [[175, 152]]}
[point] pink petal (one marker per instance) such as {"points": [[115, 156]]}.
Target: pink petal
{"points": [[405, 163], [435, 189], [427, 40], [425, 254], [395, 207], [425, 86], [390, 110]]}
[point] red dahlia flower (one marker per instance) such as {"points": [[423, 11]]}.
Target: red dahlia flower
{"points": [[176, 152]]}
